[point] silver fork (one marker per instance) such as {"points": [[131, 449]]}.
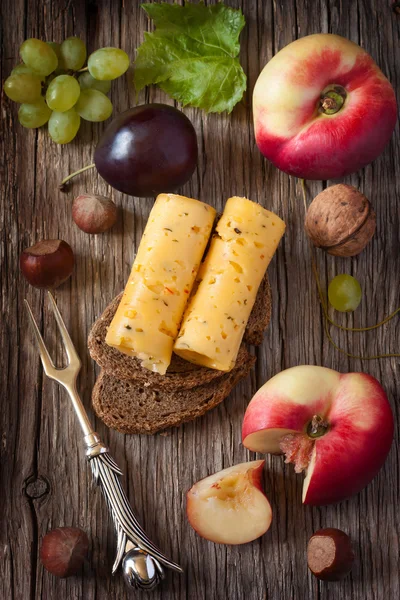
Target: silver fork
{"points": [[142, 562]]}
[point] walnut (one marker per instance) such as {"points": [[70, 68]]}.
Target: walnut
{"points": [[340, 220]]}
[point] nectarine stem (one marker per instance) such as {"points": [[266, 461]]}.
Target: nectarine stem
{"points": [[64, 181], [332, 99], [328, 320], [317, 427]]}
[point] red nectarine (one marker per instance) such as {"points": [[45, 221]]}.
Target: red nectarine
{"points": [[322, 108], [338, 427]]}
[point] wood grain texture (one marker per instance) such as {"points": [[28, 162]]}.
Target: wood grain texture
{"points": [[44, 479]]}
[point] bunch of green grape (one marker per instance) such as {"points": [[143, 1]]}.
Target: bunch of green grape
{"points": [[53, 86]]}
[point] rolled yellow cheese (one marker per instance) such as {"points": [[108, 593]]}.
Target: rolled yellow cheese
{"points": [[228, 281], [147, 320]]}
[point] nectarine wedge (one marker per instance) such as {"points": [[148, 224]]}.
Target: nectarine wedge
{"points": [[230, 507]]}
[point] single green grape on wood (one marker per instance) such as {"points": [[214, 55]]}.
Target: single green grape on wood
{"points": [[344, 293]]}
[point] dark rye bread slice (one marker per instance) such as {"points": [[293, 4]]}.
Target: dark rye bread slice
{"points": [[180, 374], [132, 407]]}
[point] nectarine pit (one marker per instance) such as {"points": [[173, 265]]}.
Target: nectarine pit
{"points": [[332, 99], [298, 447], [229, 487]]}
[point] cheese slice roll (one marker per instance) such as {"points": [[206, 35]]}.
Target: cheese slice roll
{"points": [[247, 236], [147, 320]]}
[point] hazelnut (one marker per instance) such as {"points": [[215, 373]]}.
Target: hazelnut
{"points": [[63, 551], [340, 220], [330, 555], [94, 214], [47, 264]]}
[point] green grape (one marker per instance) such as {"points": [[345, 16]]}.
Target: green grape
{"points": [[73, 54], [23, 87], [62, 93], [93, 106], [21, 68], [344, 293], [60, 67], [34, 115], [59, 71], [87, 82], [55, 46], [39, 56], [108, 63], [49, 79], [63, 126]]}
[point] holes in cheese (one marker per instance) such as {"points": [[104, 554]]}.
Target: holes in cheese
{"points": [[236, 266], [164, 329], [147, 320], [156, 288], [246, 240]]}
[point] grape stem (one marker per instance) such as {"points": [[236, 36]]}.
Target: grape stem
{"points": [[64, 181], [82, 70], [328, 320]]}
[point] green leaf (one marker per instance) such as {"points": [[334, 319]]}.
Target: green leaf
{"points": [[192, 55]]}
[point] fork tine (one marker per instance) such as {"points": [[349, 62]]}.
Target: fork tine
{"points": [[47, 363], [68, 343]]}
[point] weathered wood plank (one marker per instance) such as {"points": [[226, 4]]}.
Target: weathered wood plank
{"points": [[44, 479]]}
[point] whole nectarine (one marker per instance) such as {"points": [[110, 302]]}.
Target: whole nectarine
{"points": [[322, 108]]}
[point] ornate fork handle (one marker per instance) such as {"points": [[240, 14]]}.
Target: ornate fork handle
{"points": [[131, 537], [142, 561]]}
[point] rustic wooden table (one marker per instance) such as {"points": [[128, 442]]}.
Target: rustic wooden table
{"points": [[45, 482]]}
